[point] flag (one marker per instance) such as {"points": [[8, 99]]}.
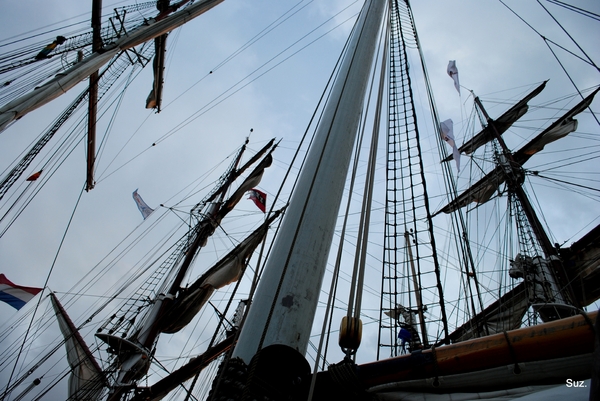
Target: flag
{"points": [[16, 295], [259, 198], [48, 49], [34, 176], [252, 180], [447, 128], [144, 209], [453, 72]]}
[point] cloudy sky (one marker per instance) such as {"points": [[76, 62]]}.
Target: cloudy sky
{"points": [[271, 88]]}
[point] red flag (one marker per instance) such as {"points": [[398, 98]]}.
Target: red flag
{"points": [[35, 176], [259, 198]]}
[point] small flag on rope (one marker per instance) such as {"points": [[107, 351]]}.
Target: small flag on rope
{"points": [[144, 208], [453, 72], [447, 128], [16, 295], [48, 49], [35, 176], [259, 198]]}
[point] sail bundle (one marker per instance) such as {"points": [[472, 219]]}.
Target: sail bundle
{"points": [[226, 271]]}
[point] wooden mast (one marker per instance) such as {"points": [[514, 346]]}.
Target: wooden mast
{"points": [[93, 95], [283, 307]]}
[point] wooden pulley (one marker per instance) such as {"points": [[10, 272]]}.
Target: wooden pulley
{"points": [[350, 333]]}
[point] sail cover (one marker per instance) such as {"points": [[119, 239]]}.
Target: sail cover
{"points": [[249, 183], [227, 270], [86, 380]]}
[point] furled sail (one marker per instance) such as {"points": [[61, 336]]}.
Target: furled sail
{"points": [[226, 271], [501, 124], [483, 189], [86, 380], [582, 261], [560, 128], [154, 99], [176, 307], [480, 192], [249, 183]]}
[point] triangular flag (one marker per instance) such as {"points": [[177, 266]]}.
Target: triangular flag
{"points": [[144, 208], [447, 128], [16, 295], [35, 176], [453, 72], [259, 198]]}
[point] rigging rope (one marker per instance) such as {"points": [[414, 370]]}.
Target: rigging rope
{"points": [[576, 9], [547, 41], [235, 88]]}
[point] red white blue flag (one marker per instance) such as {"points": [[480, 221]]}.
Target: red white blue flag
{"points": [[259, 198], [16, 295]]}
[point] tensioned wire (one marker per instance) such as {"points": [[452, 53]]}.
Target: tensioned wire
{"points": [[232, 90]]}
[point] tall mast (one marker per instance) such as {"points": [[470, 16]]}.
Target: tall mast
{"points": [[564, 292], [93, 95], [285, 302]]}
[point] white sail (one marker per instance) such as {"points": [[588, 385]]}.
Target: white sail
{"points": [[85, 381], [499, 125]]}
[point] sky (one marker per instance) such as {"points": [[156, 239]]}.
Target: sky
{"points": [[276, 85]]}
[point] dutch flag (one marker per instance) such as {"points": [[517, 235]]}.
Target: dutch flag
{"points": [[16, 295]]}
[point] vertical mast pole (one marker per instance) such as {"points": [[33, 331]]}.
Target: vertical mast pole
{"points": [[93, 95], [418, 296], [283, 308]]}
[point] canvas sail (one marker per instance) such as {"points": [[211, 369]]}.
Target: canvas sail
{"points": [[226, 271], [480, 192], [484, 189], [560, 128], [86, 380], [165, 315], [249, 183]]}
